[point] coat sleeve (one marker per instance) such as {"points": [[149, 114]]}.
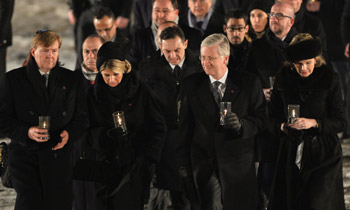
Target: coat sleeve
{"points": [[345, 22], [10, 125], [255, 121], [335, 121], [79, 122], [155, 125]]}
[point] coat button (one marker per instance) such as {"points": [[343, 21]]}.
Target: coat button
{"points": [[64, 113]]}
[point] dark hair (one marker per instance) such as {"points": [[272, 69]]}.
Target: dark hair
{"points": [[173, 2], [100, 12], [172, 32], [236, 14], [102, 40]]}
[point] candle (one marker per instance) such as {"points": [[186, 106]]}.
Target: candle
{"points": [[293, 113]]}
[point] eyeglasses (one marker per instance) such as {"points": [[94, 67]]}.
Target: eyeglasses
{"points": [[232, 29], [278, 16], [210, 59]]}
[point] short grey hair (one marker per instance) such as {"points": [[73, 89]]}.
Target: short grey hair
{"points": [[220, 40]]}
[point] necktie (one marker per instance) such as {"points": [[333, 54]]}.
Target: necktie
{"points": [[199, 24], [177, 71], [216, 91], [46, 79]]}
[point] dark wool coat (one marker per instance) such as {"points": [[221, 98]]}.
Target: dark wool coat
{"points": [[146, 132], [307, 23], [208, 146], [159, 76], [215, 25], [25, 98], [6, 11], [318, 184]]}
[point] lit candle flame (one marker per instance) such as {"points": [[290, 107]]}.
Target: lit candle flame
{"points": [[44, 124], [293, 113]]}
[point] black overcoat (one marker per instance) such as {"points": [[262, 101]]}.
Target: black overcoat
{"points": [[318, 184], [6, 11], [42, 177], [146, 132], [159, 76], [210, 147]]}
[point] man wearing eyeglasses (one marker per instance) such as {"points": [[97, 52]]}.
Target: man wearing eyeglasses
{"points": [[220, 157], [235, 28], [281, 33], [307, 23]]}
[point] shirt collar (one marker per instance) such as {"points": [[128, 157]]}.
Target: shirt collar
{"points": [[222, 79], [180, 64]]}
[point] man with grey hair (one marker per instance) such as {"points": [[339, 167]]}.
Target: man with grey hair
{"points": [[218, 152]]}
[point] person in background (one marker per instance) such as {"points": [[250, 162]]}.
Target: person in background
{"points": [[258, 13], [40, 159], [90, 47], [84, 192], [145, 41], [201, 17], [132, 150], [6, 11], [309, 166]]}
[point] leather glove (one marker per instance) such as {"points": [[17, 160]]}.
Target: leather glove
{"points": [[294, 135], [232, 122], [116, 133]]}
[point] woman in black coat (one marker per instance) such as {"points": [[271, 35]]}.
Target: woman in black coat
{"points": [[309, 166], [133, 153]]}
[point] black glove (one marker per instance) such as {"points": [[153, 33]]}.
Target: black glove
{"points": [[294, 135], [232, 122], [116, 133]]}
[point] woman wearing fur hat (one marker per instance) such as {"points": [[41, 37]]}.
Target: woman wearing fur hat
{"points": [[309, 166], [134, 151]]}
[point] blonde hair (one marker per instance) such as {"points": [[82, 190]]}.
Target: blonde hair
{"points": [[219, 39], [116, 66], [45, 38], [319, 60]]}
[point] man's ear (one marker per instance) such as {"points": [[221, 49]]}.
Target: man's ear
{"points": [[224, 27]]}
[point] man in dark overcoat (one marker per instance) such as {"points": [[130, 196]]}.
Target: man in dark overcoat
{"points": [[201, 17], [221, 158], [6, 11], [40, 160], [164, 74]]}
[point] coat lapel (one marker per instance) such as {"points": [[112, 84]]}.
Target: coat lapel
{"points": [[231, 91], [207, 100]]}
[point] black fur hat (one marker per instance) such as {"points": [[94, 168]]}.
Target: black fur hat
{"points": [[302, 50], [110, 50], [264, 5]]}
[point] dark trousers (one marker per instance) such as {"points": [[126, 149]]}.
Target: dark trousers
{"points": [[211, 195], [41, 178], [2, 61]]}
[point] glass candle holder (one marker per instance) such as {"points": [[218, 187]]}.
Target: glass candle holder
{"points": [[293, 112], [44, 123], [119, 121], [225, 107]]}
